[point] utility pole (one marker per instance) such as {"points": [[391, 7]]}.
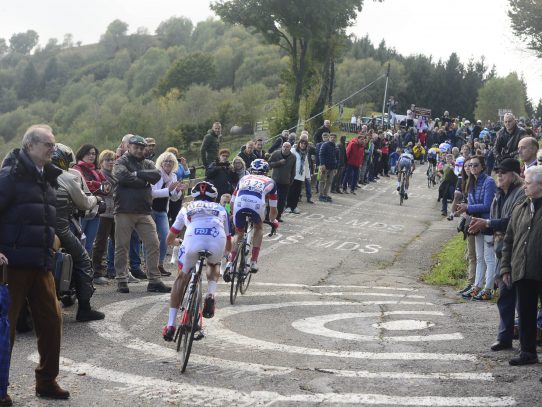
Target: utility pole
{"points": [[385, 96]]}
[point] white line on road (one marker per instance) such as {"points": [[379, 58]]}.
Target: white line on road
{"points": [[331, 294], [362, 287], [151, 388], [363, 374], [316, 326]]}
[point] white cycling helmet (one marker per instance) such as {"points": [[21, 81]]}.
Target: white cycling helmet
{"points": [[204, 191]]}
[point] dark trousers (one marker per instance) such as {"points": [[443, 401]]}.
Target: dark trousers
{"points": [[448, 193], [350, 177], [282, 192], [294, 194], [528, 292], [384, 164], [38, 286], [106, 229], [337, 179], [507, 312]]}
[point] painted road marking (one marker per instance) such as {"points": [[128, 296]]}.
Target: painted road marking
{"points": [[218, 330], [155, 389], [363, 374], [316, 326], [361, 287], [328, 294], [111, 329], [404, 325]]}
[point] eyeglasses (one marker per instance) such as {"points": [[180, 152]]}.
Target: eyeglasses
{"points": [[473, 165], [109, 159], [168, 161], [49, 146]]}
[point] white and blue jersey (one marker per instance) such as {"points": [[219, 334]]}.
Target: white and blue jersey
{"points": [[250, 196], [405, 161], [207, 228]]}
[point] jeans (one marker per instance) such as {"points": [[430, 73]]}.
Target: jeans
{"points": [[308, 189], [507, 311], [90, 229], [162, 227], [485, 261], [350, 177]]}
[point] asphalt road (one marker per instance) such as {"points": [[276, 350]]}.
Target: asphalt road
{"points": [[336, 316]]}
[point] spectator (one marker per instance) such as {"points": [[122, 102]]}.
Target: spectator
{"points": [[302, 173], [133, 201], [183, 172], [527, 149], [312, 159], [292, 138], [123, 146], [278, 142], [367, 152], [220, 173], [341, 164], [524, 271], [87, 162], [325, 128], [149, 150], [506, 145], [384, 159], [167, 189], [210, 145], [70, 198], [27, 205], [448, 183], [509, 193], [106, 226], [247, 153], [328, 167], [481, 193], [239, 170], [283, 163], [353, 123], [258, 148], [418, 152], [354, 160]]}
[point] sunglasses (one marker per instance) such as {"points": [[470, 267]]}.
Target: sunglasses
{"points": [[473, 165], [539, 159]]}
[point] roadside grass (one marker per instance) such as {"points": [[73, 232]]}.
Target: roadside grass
{"points": [[450, 266]]}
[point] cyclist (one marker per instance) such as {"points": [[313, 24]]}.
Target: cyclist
{"points": [[249, 198], [433, 156], [207, 228], [406, 162]]}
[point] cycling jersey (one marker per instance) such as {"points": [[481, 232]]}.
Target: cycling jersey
{"points": [[207, 228], [249, 198], [405, 161]]}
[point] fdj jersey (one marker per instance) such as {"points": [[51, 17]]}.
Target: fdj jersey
{"points": [[250, 198], [207, 227]]}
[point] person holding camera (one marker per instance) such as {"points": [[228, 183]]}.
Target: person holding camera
{"points": [[509, 193], [71, 199], [221, 174]]}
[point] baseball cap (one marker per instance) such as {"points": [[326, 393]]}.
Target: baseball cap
{"points": [[508, 165], [137, 140], [150, 141]]}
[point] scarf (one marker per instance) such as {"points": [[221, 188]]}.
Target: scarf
{"points": [[302, 156], [166, 178]]}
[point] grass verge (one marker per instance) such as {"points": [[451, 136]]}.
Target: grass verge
{"points": [[450, 264]]}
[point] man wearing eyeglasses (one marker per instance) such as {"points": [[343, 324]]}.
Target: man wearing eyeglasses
{"points": [[506, 144], [527, 150], [27, 232]]}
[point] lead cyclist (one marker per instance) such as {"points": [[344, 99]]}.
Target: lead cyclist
{"points": [[406, 162], [249, 198]]}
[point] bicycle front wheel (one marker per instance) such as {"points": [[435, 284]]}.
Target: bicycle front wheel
{"points": [[192, 326], [244, 282]]}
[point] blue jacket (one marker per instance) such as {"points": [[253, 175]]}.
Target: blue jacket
{"points": [[328, 155], [481, 196], [27, 212]]}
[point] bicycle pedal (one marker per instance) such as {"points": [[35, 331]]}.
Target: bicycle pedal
{"points": [[200, 335]]}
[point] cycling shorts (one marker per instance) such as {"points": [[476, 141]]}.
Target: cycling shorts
{"points": [[432, 160], [239, 217], [405, 165], [194, 242]]}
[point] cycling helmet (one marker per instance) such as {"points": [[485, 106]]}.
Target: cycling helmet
{"points": [[63, 156], [445, 147], [204, 191], [259, 166]]}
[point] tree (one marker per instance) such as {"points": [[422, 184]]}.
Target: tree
{"points": [[29, 83], [23, 42], [175, 31], [114, 37], [196, 68], [526, 18], [68, 41], [3, 46], [501, 93], [294, 26]]}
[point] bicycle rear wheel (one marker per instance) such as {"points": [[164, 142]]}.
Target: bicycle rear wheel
{"points": [[192, 326], [402, 191], [234, 287]]}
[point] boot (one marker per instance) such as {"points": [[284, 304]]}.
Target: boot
{"points": [[85, 313]]}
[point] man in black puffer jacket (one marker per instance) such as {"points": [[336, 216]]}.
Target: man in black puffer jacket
{"points": [[133, 205], [27, 231]]}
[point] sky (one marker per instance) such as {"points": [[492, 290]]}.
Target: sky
{"points": [[470, 28]]}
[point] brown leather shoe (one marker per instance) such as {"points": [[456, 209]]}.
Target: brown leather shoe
{"points": [[6, 401], [163, 271], [52, 391]]}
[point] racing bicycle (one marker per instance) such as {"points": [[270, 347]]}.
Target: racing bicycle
{"points": [[431, 177], [191, 312], [240, 268], [402, 188]]}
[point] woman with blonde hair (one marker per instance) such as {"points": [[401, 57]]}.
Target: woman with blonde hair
{"points": [[166, 189]]}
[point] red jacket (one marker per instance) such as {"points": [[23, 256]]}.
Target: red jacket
{"points": [[92, 177], [354, 153]]}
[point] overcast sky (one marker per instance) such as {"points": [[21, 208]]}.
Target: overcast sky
{"points": [[469, 27]]}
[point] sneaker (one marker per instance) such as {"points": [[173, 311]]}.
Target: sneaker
{"points": [[321, 198], [168, 333], [484, 295], [406, 196], [100, 281], [339, 191], [209, 307], [163, 271], [465, 289], [345, 190], [199, 335], [398, 189], [296, 211], [471, 293], [310, 201], [122, 287], [253, 266], [158, 287]]}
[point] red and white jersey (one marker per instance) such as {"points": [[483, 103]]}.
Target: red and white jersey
{"points": [[202, 218], [253, 190]]}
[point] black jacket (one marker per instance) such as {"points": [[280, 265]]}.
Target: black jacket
{"points": [[133, 192], [506, 145], [27, 211], [222, 176]]}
